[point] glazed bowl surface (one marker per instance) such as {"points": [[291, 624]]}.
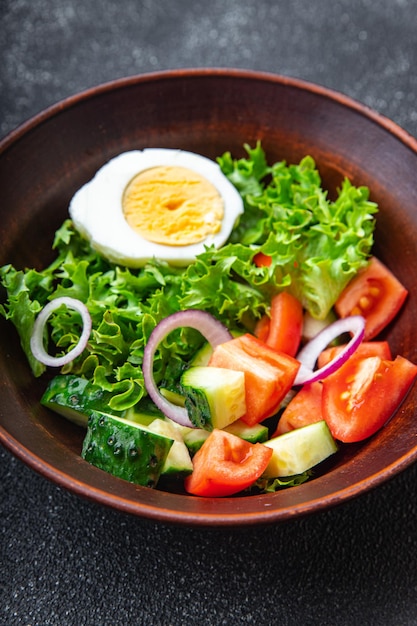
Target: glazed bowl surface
{"points": [[209, 111]]}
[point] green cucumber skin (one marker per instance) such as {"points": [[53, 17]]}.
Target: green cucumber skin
{"points": [[75, 398], [198, 407], [124, 450]]}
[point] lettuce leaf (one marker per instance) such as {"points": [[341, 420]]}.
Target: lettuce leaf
{"points": [[316, 245], [124, 306]]}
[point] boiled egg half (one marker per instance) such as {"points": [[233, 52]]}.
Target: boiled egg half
{"points": [[156, 203]]}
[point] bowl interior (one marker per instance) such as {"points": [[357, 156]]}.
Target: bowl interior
{"points": [[45, 161]]}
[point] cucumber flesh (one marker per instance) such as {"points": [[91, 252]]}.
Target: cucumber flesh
{"points": [[214, 396], [195, 438], [125, 449], [202, 356], [299, 450], [172, 396], [178, 461], [258, 433], [144, 412]]}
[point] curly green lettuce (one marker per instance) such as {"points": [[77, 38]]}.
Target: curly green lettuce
{"points": [[124, 306], [316, 245]]}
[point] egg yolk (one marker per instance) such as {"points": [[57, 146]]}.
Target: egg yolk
{"points": [[172, 205]]}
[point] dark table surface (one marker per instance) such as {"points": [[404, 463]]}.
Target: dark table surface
{"points": [[66, 561]]}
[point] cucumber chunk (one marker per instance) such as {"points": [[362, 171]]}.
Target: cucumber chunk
{"points": [[258, 433], [202, 356], [214, 396], [178, 461], [144, 412], [299, 450], [125, 449], [75, 398], [172, 396], [194, 439]]}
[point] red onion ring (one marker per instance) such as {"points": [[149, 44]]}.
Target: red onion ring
{"points": [[207, 325], [355, 324], [36, 340]]}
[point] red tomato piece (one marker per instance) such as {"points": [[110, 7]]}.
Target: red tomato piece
{"points": [[262, 328], [269, 374], [283, 332], [363, 394], [225, 465], [304, 409], [376, 294], [262, 260], [366, 348]]}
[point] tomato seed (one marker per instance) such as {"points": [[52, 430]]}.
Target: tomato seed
{"points": [[364, 303]]}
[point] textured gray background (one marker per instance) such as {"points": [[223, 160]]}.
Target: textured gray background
{"points": [[64, 561]]}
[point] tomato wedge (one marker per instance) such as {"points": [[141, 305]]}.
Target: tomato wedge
{"points": [[282, 330], [376, 294], [269, 374], [304, 408], [366, 348], [363, 394], [225, 465]]}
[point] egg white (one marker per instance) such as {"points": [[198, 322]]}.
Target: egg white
{"points": [[97, 212]]}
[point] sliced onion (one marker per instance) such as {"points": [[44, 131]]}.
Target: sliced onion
{"points": [[207, 325], [36, 340], [355, 324]]}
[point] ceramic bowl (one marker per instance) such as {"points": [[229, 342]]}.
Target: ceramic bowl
{"points": [[47, 159]]}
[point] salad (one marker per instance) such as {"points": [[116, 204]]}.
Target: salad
{"points": [[239, 372]]}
